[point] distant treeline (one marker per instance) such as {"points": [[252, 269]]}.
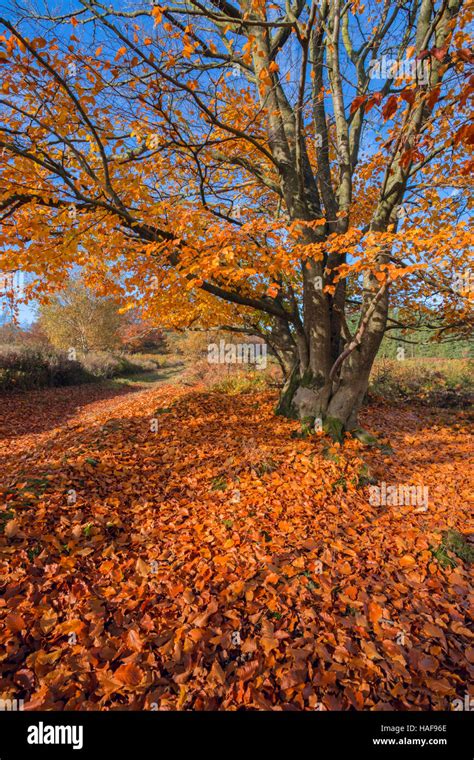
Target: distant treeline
{"points": [[419, 343]]}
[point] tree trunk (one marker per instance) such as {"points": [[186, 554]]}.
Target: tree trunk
{"points": [[334, 404], [327, 395]]}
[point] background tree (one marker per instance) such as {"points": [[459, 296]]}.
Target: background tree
{"points": [[278, 167], [12, 333], [78, 318], [138, 335]]}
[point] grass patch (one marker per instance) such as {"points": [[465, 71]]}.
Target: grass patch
{"points": [[219, 483], [237, 383], [453, 542]]}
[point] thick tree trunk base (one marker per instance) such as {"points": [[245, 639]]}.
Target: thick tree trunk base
{"points": [[331, 407]]}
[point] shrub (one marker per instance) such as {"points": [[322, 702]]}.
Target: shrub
{"points": [[239, 382], [64, 371], [139, 363], [25, 368], [102, 364], [439, 382]]}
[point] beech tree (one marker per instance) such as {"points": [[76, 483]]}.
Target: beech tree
{"points": [[278, 168]]}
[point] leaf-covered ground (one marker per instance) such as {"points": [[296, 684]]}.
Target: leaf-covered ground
{"points": [[220, 563]]}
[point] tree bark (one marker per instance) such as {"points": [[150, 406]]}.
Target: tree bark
{"points": [[328, 388]]}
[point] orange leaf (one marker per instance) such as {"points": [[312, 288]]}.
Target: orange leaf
{"points": [[375, 612], [129, 675], [14, 622]]}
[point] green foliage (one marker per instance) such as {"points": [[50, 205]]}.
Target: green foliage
{"points": [[334, 428], [219, 483], [453, 542], [364, 437], [418, 344], [458, 544]]}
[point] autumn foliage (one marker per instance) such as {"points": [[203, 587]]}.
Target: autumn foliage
{"points": [[251, 165], [296, 174]]}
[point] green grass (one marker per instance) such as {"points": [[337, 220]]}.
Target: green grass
{"points": [[453, 543], [239, 382]]}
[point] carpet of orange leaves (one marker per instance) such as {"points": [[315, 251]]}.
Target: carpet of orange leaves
{"points": [[220, 563]]}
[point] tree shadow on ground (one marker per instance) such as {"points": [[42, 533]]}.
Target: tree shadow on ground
{"points": [[34, 412]]}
